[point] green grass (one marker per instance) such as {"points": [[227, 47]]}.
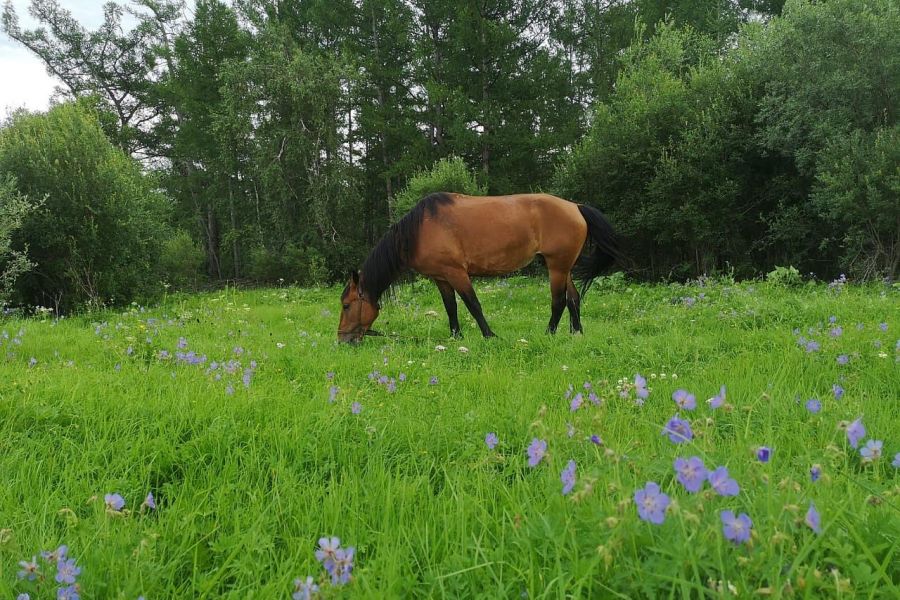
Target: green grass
{"points": [[247, 483]]}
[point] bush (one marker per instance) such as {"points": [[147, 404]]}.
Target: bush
{"points": [[14, 208], [181, 261], [97, 237], [292, 264], [785, 277], [446, 175]]}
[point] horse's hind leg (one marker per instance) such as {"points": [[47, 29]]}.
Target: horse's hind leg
{"points": [[573, 302], [463, 286], [557, 298], [449, 298]]}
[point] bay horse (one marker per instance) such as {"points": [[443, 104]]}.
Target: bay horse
{"points": [[449, 237]]}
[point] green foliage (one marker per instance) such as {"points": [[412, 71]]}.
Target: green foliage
{"points": [[245, 484], [292, 265], [446, 175], [785, 277], [14, 209], [97, 236], [181, 261]]}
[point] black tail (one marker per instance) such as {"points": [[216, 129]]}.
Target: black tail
{"points": [[601, 250]]}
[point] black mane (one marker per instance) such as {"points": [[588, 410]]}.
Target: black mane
{"points": [[390, 256]]}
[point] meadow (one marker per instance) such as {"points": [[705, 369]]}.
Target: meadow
{"points": [[256, 435]]}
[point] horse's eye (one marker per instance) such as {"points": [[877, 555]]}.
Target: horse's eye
{"points": [[346, 307]]}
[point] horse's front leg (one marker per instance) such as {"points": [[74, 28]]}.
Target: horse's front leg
{"points": [[463, 286], [449, 298]]}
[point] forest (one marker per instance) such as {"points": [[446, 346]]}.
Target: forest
{"points": [[267, 141]]}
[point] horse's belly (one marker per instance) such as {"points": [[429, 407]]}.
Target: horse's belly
{"points": [[499, 259]]}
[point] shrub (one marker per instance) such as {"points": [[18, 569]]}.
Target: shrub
{"points": [[14, 208], [181, 260], [446, 175], [785, 277]]}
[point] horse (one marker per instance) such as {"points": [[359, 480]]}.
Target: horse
{"points": [[450, 237]]}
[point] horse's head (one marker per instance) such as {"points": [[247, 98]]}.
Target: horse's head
{"points": [[357, 312]]}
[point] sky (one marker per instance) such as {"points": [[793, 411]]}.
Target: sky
{"points": [[24, 81]]}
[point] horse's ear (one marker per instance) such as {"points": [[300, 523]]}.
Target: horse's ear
{"points": [[354, 277]]}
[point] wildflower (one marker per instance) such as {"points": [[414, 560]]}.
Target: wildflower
{"points": [[640, 387], [433, 380], [651, 503], [391, 386], [812, 346], [32, 361], [763, 453], [678, 430], [66, 571], [182, 343], [67, 593], [356, 408], [229, 389], [491, 440], [440, 348], [813, 519], [871, 451], [722, 483], [329, 375], [536, 452], [815, 472], [328, 547], [570, 429], [896, 461], [57, 555], [691, 473], [463, 349], [595, 439], [883, 326], [568, 478], [836, 331], [304, 590], [343, 565], [114, 502], [813, 406], [684, 399], [832, 319], [401, 377], [594, 398], [29, 570], [576, 403], [23, 596], [736, 528], [333, 392], [717, 401], [843, 359], [837, 390], [855, 432], [149, 501]]}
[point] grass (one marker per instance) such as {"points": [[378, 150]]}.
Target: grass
{"points": [[246, 483]]}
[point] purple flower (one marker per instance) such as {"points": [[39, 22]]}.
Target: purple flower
{"points": [[23, 596], [491, 440], [691, 473], [812, 346], [640, 387], [836, 331], [717, 401], [333, 392], [114, 502], [570, 430], [182, 343], [855, 432], [843, 359], [66, 571], [651, 503], [837, 390], [328, 547], [722, 483], [67, 593], [883, 326], [330, 377], [392, 386], [356, 408], [594, 398], [343, 565], [678, 430], [304, 590], [401, 377], [814, 473], [238, 351], [763, 453], [871, 451], [229, 389], [736, 528], [383, 379], [568, 477], [684, 399], [536, 452], [29, 570], [832, 319], [55, 555], [149, 501], [433, 380], [896, 461], [813, 519], [576, 403], [813, 406], [595, 439]]}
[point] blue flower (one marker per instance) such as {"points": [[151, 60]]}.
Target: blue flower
{"points": [[871, 451], [684, 399], [114, 502], [855, 432], [763, 453], [722, 483], [66, 571], [356, 408], [896, 461], [813, 406], [640, 387], [67, 593], [651, 503], [691, 473], [815, 472], [717, 401], [536, 452], [678, 430], [736, 528], [837, 390], [843, 359], [54, 556], [568, 477], [491, 440], [304, 590], [29, 570]]}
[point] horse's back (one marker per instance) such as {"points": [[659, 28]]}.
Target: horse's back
{"points": [[490, 235]]}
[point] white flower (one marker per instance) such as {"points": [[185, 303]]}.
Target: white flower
{"points": [[440, 348], [279, 345], [463, 349]]}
